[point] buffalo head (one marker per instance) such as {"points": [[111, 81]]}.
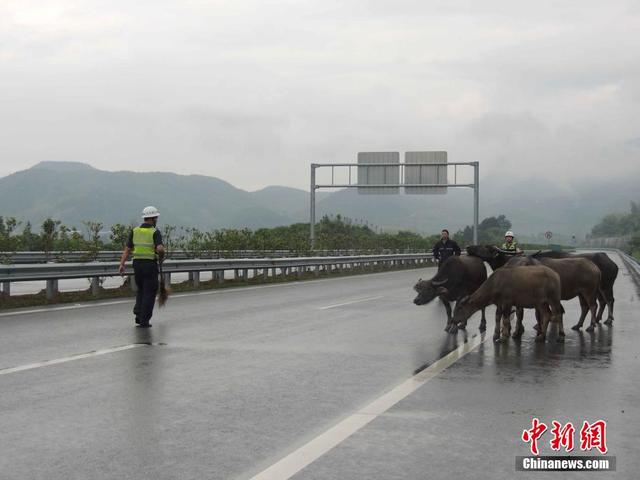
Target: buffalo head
{"points": [[485, 252], [463, 311], [428, 290]]}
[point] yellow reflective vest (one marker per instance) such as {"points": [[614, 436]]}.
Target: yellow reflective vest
{"points": [[512, 246], [143, 246]]}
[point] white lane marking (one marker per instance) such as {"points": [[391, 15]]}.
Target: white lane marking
{"points": [[66, 307], [314, 449], [240, 289], [80, 356], [358, 300]]}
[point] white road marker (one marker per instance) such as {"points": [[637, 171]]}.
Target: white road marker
{"points": [[314, 449], [358, 300], [71, 358], [65, 307]]}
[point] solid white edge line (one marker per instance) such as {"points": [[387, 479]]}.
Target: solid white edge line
{"points": [[358, 300], [239, 289], [308, 453], [71, 358]]}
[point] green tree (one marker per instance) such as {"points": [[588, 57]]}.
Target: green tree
{"points": [[94, 244], [49, 234], [119, 235]]}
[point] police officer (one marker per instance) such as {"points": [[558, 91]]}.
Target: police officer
{"points": [[445, 248], [145, 242], [509, 244]]}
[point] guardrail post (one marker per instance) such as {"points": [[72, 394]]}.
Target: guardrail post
{"points": [[245, 274], [300, 271], [95, 286], [274, 272], [52, 289], [316, 271], [167, 278], [194, 278], [6, 288]]}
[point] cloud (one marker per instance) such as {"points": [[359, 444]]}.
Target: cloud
{"points": [[253, 92]]}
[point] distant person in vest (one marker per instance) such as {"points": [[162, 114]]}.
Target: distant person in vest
{"points": [[509, 243], [445, 248], [145, 242]]}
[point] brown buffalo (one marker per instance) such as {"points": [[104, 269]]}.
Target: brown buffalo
{"points": [[524, 287]]}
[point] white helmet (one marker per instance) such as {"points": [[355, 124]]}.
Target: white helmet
{"points": [[150, 212], [509, 234]]}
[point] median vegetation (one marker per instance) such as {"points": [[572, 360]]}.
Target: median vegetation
{"points": [[332, 233], [622, 225]]}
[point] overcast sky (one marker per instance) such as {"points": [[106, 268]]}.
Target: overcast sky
{"points": [[253, 91]]}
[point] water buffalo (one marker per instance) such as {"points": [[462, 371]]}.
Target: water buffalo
{"points": [[494, 256], [525, 287], [579, 277], [608, 271], [457, 277]]}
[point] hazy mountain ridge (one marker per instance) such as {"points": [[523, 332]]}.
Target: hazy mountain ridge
{"points": [[73, 192]]}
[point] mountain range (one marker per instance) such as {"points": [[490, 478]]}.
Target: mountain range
{"points": [[73, 192]]}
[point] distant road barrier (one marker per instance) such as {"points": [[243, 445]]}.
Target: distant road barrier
{"points": [[114, 256], [53, 272], [632, 265]]}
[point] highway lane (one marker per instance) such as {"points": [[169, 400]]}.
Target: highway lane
{"points": [[467, 421], [237, 379], [244, 375]]}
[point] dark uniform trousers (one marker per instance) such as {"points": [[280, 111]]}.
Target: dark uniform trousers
{"points": [[145, 273]]}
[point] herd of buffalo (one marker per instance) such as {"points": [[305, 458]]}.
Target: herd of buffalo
{"points": [[539, 281]]}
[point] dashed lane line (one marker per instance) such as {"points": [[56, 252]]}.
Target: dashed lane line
{"points": [[314, 449]]}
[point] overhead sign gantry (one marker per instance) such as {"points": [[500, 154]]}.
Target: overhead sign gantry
{"points": [[382, 173]]}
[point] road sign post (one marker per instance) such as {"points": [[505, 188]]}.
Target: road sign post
{"points": [[381, 172]]}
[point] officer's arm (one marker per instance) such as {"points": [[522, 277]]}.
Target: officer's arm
{"points": [[160, 251], [123, 258], [456, 248]]}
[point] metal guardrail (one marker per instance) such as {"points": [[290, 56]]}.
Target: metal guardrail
{"points": [[113, 256], [53, 272], [633, 265]]}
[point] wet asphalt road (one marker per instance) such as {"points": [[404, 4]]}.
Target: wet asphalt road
{"points": [[235, 380]]}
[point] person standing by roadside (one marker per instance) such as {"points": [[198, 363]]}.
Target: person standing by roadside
{"points": [[445, 248], [145, 242], [510, 245]]}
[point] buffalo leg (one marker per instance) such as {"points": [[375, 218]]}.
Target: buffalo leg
{"points": [[545, 314], [483, 322], [593, 306], [558, 314], [610, 301], [496, 330], [451, 328], [602, 301], [506, 324], [519, 325], [536, 327], [584, 308]]}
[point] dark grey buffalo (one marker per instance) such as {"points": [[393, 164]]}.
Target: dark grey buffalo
{"points": [[608, 275], [457, 278]]}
